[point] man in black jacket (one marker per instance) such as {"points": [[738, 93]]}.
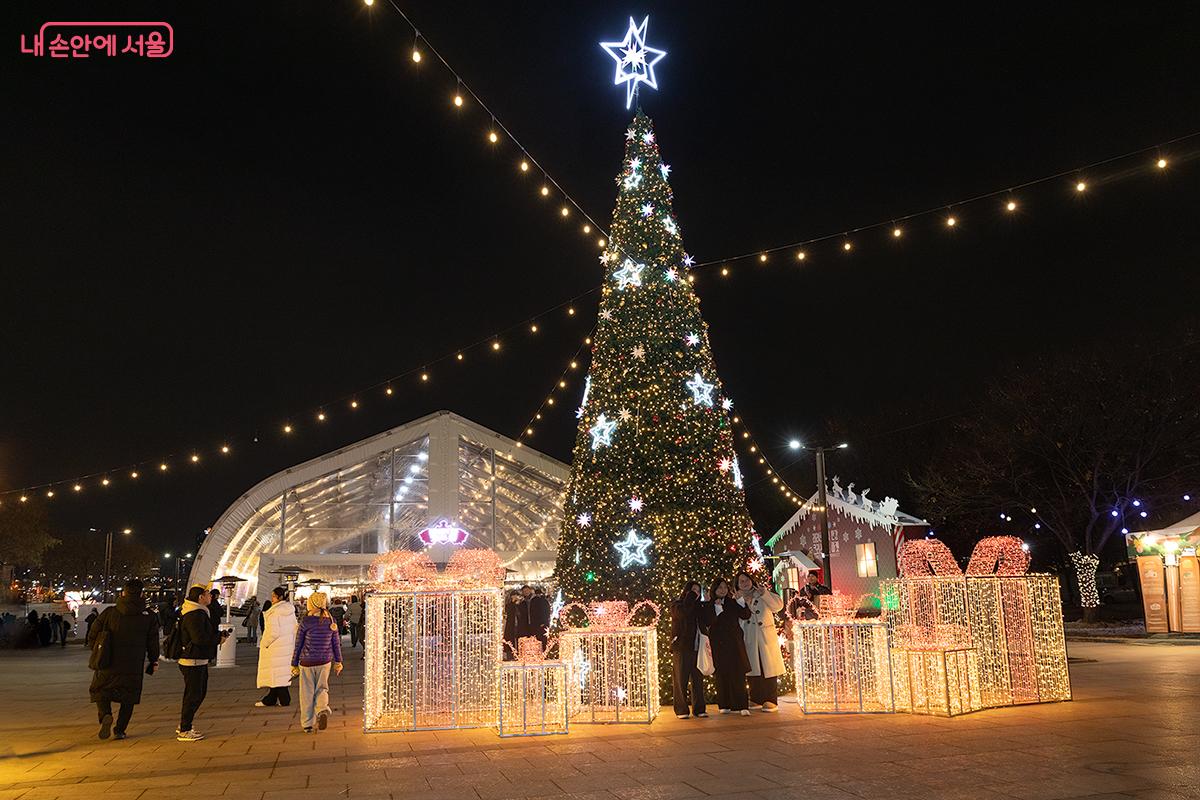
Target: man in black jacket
{"points": [[132, 633], [199, 638], [539, 616]]}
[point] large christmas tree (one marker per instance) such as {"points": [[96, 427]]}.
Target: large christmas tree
{"points": [[655, 496]]}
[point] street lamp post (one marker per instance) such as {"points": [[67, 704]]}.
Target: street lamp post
{"points": [[823, 502], [108, 548]]}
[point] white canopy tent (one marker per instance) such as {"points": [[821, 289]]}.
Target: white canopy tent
{"points": [[332, 515]]}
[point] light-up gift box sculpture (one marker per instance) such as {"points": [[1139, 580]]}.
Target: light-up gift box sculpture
{"points": [[842, 663], [433, 642], [935, 671], [612, 664], [1012, 618], [533, 692]]}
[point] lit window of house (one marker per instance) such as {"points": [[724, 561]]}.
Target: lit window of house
{"points": [[865, 555]]}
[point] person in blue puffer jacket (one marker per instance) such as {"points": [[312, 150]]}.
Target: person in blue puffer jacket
{"points": [[318, 649]]}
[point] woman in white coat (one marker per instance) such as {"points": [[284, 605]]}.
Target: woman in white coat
{"points": [[762, 642], [275, 650]]}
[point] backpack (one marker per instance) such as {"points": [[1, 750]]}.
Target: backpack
{"points": [[101, 656], [173, 644]]}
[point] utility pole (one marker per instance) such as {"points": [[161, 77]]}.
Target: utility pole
{"points": [[827, 567], [108, 550]]}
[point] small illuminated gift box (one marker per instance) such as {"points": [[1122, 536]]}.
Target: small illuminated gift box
{"points": [[842, 665], [612, 665], [533, 693], [433, 643], [943, 681]]}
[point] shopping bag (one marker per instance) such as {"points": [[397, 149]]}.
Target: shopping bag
{"points": [[704, 661]]}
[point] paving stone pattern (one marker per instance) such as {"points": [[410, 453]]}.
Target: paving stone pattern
{"points": [[1133, 731]]}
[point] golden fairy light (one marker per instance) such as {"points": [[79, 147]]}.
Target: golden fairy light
{"points": [[533, 692], [612, 665]]}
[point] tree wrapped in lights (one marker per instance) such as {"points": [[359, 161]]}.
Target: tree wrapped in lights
{"points": [[1086, 565], [655, 495]]}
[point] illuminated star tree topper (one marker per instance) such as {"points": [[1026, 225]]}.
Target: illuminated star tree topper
{"points": [[635, 60]]}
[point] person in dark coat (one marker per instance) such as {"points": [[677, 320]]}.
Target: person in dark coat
{"points": [[90, 620], [524, 622], [65, 624], [810, 595], [685, 639], [43, 630], [722, 616], [200, 639], [133, 640], [512, 607], [539, 616], [216, 610]]}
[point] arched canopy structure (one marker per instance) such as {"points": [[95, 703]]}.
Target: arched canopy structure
{"points": [[332, 515]]}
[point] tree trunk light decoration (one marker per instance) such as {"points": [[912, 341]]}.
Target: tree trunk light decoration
{"points": [[1085, 578], [533, 693], [612, 665], [1012, 619], [433, 643], [842, 666]]}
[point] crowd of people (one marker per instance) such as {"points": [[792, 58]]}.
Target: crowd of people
{"points": [[36, 630], [731, 635], [728, 633]]}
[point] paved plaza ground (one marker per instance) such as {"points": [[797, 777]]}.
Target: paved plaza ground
{"points": [[1132, 731]]}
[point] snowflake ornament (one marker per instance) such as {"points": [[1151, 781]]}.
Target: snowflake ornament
{"points": [[670, 227], [648, 137], [624, 415], [638, 352], [606, 315], [665, 169], [726, 404], [688, 260], [692, 340], [725, 464], [648, 210], [635, 504], [584, 519], [630, 134], [671, 275]]}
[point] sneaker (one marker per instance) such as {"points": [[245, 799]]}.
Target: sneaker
{"points": [[753, 704], [702, 715], [769, 708], [308, 730], [323, 720], [190, 736], [684, 716], [260, 704], [724, 710], [745, 712], [119, 735], [106, 726]]}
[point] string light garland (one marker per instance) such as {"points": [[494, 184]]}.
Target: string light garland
{"points": [[1009, 205], [353, 401]]}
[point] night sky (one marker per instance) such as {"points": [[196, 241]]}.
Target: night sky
{"points": [[200, 249]]}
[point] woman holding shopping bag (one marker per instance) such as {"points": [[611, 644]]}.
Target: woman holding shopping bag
{"points": [[686, 642], [275, 652], [762, 642], [318, 650]]}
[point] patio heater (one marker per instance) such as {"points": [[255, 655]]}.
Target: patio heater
{"points": [[227, 652]]}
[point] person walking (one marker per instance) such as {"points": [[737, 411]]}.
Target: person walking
{"points": [[539, 616], [66, 624], [198, 639], [318, 649], [128, 632], [354, 618], [722, 617], [90, 620], [685, 645], [762, 642], [275, 653]]}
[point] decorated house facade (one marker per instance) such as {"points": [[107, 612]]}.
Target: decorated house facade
{"points": [[864, 537]]}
